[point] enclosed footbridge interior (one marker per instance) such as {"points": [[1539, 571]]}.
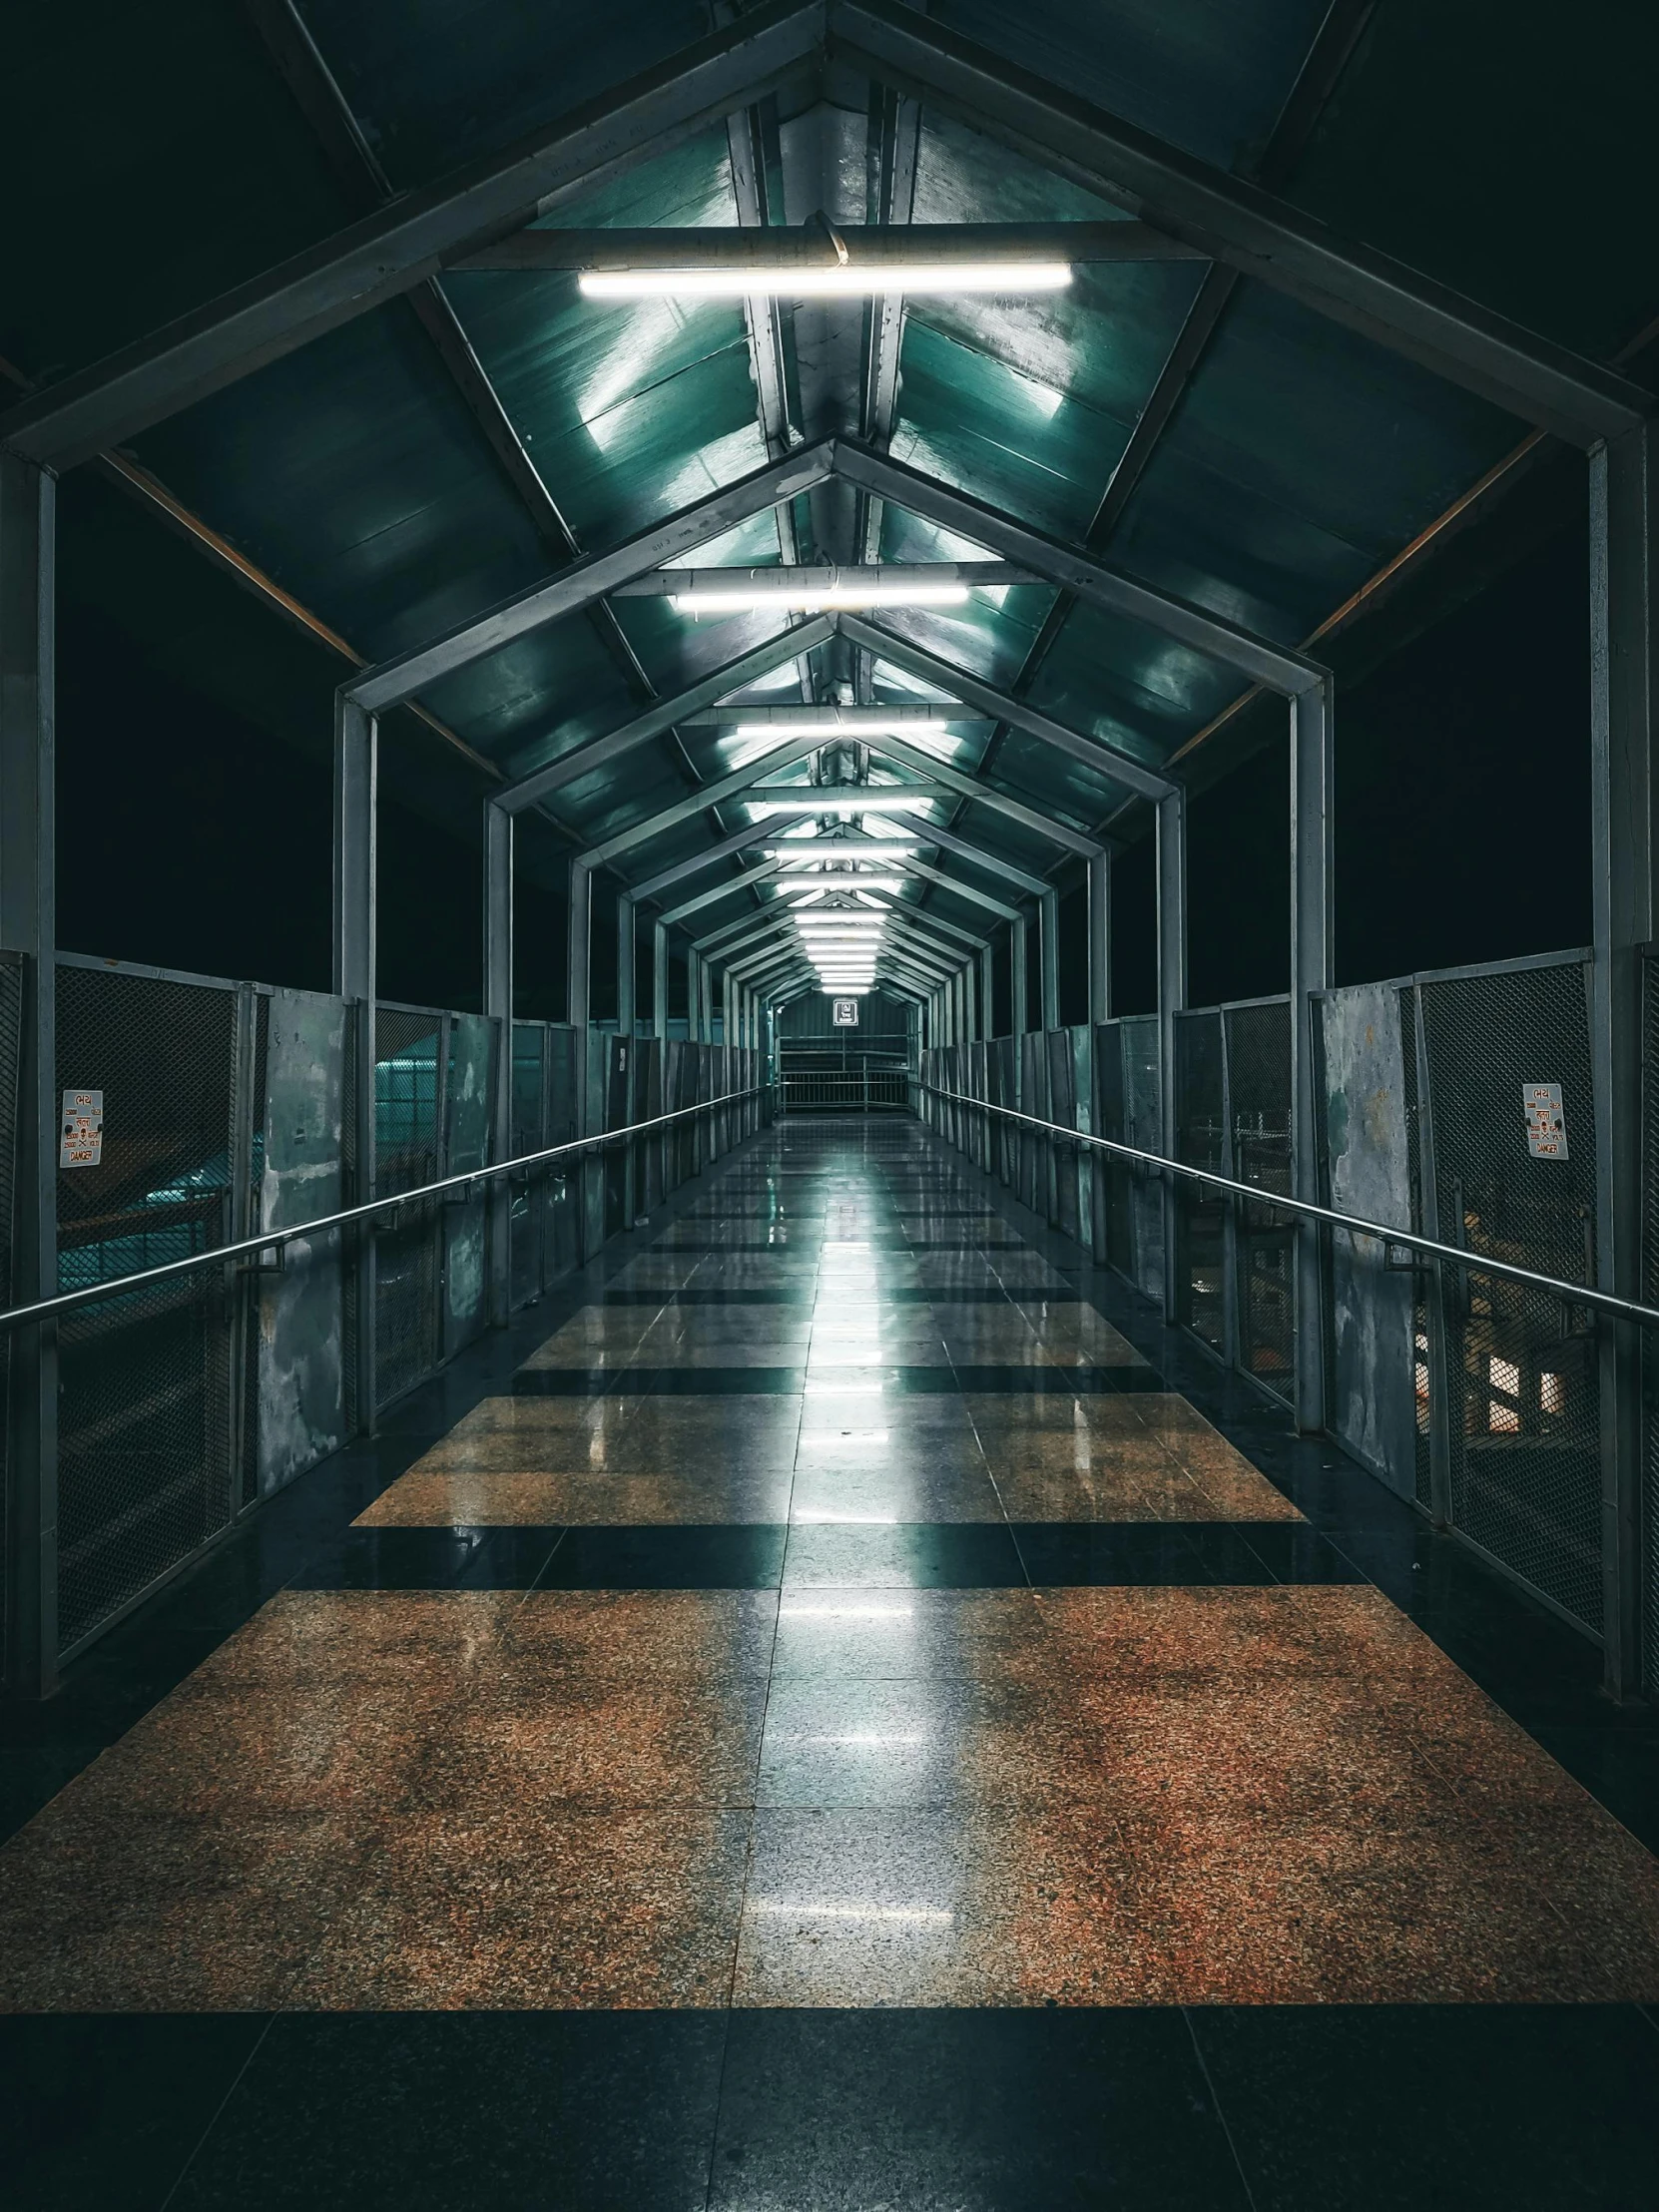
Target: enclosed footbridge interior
{"points": [[594, 604]]}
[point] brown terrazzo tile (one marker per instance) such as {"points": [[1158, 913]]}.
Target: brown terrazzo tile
{"points": [[869, 1908], [605, 1499], [105, 1909], [599, 1743], [397, 1636], [637, 1636], [538, 1907], [933, 1635]]}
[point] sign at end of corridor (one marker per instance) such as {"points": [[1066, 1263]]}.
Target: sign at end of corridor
{"points": [[845, 1013]]}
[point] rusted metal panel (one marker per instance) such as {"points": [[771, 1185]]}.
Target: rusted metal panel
{"points": [[1373, 1408], [301, 1378]]}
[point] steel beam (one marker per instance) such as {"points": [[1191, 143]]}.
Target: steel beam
{"points": [[590, 578], [739, 782], [754, 833], [934, 834], [666, 714], [1313, 964], [28, 909], [412, 237], [1277, 667], [1624, 695], [1048, 909], [1095, 753], [872, 246], [355, 841], [1171, 835], [1035, 818], [727, 717], [1237, 222], [498, 1005], [826, 577]]}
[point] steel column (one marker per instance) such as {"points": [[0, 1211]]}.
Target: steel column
{"points": [[1100, 1009], [1172, 996], [1313, 962], [356, 770], [1018, 960], [498, 1004], [1624, 670], [28, 534], [659, 981], [1049, 906]]}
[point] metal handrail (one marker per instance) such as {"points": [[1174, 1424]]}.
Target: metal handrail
{"points": [[272, 1240], [1572, 1293]]}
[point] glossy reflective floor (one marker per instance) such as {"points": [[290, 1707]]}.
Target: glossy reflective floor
{"points": [[840, 1712]]}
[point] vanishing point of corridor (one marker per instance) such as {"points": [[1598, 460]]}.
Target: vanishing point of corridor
{"points": [[833, 1727]]}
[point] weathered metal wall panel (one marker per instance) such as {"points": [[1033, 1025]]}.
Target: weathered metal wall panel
{"points": [[301, 1380], [1374, 1395], [471, 1065], [1142, 1108]]}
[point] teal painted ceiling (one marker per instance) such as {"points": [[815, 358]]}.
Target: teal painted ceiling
{"points": [[159, 158]]}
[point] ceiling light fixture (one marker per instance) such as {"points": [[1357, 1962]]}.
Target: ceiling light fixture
{"points": [[810, 601], [846, 280], [849, 726]]}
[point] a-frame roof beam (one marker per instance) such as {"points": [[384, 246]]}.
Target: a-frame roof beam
{"points": [[1035, 818], [959, 885], [827, 576], [1237, 222], [1277, 667], [798, 799], [754, 833], [934, 834], [874, 244], [666, 714], [1097, 753], [740, 779], [590, 578], [412, 237], [750, 879]]}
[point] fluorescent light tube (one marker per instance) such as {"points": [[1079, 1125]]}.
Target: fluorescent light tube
{"points": [[835, 281], [812, 602]]}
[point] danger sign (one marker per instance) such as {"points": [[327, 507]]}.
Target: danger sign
{"points": [[844, 1014], [1546, 1123], [81, 1136]]}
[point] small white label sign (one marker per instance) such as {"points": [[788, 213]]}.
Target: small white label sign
{"points": [[81, 1141], [1547, 1122], [845, 1013]]}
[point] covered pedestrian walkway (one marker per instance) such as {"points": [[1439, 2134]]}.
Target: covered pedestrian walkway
{"points": [[841, 1711], [829, 1106]]}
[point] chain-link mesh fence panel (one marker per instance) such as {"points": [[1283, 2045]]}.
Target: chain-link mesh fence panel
{"points": [[1258, 1102], [527, 1122], [563, 1226], [407, 1312], [146, 1435], [1423, 1481], [1649, 1626], [1524, 1423], [1201, 1142], [250, 1443], [12, 979]]}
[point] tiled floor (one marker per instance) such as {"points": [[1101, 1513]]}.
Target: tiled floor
{"points": [[829, 1722]]}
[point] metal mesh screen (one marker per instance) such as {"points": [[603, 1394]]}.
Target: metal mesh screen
{"points": [[407, 1319], [1259, 1106], [1650, 1355], [11, 1046], [146, 1464], [260, 1047], [527, 1121], [1524, 1423], [1201, 1142], [1421, 1478]]}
